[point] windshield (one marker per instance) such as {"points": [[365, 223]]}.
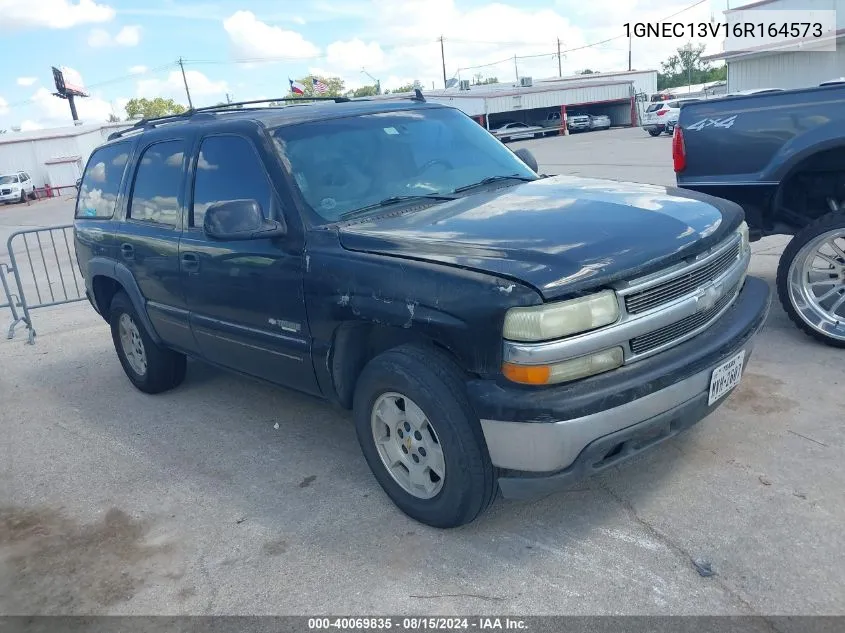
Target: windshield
{"points": [[8, 180], [346, 164]]}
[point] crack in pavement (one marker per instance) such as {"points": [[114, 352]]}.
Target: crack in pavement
{"points": [[666, 540]]}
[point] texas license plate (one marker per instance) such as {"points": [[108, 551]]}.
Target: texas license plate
{"points": [[725, 377]]}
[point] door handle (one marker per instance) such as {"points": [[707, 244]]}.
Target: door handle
{"points": [[190, 262], [128, 251]]}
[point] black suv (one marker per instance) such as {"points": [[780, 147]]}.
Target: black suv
{"points": [[491, 328]]}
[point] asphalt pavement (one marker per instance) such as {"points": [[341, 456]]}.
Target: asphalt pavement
{"points": [[227, 496]]}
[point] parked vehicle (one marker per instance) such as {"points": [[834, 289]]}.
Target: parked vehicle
{"points": [[16, 187], [552, 120], [781, 155], [490, 328], [516, 131], [578, 122], [599, 122], [662, 117]]}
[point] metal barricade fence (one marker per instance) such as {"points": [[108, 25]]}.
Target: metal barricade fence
{"points": [[44, 271]]}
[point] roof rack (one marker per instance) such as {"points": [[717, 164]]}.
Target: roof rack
{"points": [[152, 122]]}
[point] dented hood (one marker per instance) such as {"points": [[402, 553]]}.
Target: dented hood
{"points": [[560, 234]]}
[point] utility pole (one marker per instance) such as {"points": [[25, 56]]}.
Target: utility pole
{"points": [[629, 53], [515, 69], [559, 71], [443, 61], [228, 98], [185, 79]]}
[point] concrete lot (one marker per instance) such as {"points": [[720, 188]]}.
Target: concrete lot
{"points": [[112, 501]]}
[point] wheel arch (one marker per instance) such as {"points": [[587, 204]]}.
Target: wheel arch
{"points": [[107, 279]]}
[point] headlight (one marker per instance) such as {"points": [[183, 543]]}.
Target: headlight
{"points": [[556, 320], [565, 371], [743, 231]]}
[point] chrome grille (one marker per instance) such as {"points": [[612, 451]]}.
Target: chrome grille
{"points": [[669, 333], [5, 192], [685, 283]]}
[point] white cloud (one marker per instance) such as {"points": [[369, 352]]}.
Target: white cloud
{"points": [[52, 111], [26, 81], [140, 69], [29, 125], [52, 14], [251, 38], [173, 87], [355, 54], [4, 106], [401, 38], [127, 36]]}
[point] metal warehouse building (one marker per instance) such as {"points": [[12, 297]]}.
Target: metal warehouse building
{"points": [[752, 69], [54, 157], [617, 95]]}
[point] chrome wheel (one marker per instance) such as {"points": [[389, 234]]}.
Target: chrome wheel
{"points": [[817, 284], [132, 344], [408, 445]]}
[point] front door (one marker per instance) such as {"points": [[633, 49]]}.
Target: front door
{"points": [[245, 297]]}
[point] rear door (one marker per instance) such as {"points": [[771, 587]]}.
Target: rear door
{"points": [[149, 243], [246, 297], [650, 116]]}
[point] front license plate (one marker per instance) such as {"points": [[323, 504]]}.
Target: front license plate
{"points": [[725, 377]]}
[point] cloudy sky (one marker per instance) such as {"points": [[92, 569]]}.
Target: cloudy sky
{"points": [[249, 48]]}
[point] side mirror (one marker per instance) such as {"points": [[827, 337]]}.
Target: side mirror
{"points": [[528, 158], [240, 220]]}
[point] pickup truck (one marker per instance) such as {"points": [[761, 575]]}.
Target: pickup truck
{"points": [[491, 328], [781, 156]]}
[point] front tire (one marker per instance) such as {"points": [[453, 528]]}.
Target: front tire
{"points": [[421, 438], [811, 279], [150, 367]]}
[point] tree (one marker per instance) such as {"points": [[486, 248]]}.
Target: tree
{"points": [[335, 87], [113, 118], [149, 108], [363, 91], [686, 68], [480, 80], [405, 88]]}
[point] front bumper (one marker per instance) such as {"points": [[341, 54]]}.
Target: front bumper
{"points": [[543, 439], [10, 197]]}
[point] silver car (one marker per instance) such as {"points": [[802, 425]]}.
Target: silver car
{"points": [[599, 122], [514, 131]]}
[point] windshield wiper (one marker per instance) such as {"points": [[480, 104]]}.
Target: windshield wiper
{"points": [[390, 201], [491, 179]]}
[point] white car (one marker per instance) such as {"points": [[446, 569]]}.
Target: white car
{"points": [[16, 187], [662, 116], [514, 131]]}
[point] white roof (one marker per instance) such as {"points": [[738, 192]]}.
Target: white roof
{"points": [[58, 132]]}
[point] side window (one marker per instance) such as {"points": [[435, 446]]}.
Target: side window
{"points": [[158, 183], [101, 182], [228, 168]]}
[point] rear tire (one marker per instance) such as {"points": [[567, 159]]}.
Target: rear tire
{"points": [[654, 132], [150, 367], [395, 391], [816, 311]]}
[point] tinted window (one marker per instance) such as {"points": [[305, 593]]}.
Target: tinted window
{"points": [[228, 168], [345, 164], [156, 192], [655, 107], [101, 182]]}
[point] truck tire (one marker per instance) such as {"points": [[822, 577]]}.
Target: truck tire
{"points": [[150, 367], [654, 132], [421, 438], [811, 279]]}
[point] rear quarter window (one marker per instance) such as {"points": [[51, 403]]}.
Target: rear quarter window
{"points": [[101, 182], [654, 107]]}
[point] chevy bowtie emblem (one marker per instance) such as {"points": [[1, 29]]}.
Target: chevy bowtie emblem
{"points": [[408, 442], [708, 297]]}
